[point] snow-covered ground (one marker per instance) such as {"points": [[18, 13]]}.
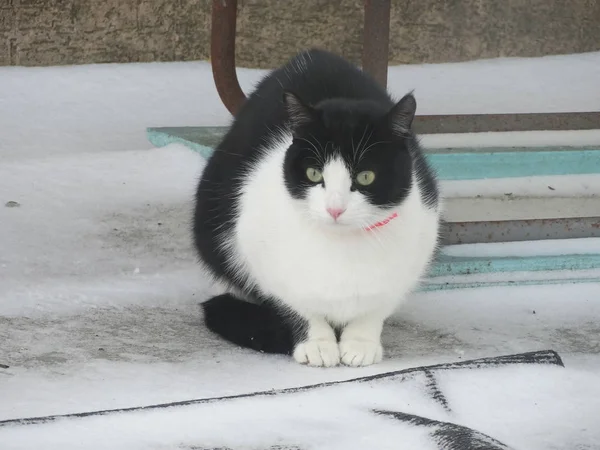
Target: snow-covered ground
{"points": [[99, 287]]}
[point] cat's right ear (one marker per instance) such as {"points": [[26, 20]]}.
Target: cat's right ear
{"points": [[299, 114]]}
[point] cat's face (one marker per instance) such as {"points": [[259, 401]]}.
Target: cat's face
{"points": [[349, 166]]}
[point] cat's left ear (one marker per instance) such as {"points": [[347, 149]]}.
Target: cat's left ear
{"points": [[298, 112], [402, 114]]}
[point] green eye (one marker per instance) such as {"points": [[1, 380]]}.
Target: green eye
{"points": [[365, 178], [314, 175]]}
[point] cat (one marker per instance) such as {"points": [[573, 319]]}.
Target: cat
{"points": [[317, 212]]}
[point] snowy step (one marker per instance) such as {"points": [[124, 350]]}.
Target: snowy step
{"points": [[510, 207], [490, 192], [515, 263], [450, 164]]}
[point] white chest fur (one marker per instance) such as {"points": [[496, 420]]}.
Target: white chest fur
{"points": [[320, 271]]}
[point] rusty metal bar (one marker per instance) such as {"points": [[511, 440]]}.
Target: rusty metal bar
{"points": [[520, 230], [376, 39], [222, 54], [375, 62], [224, 14]]}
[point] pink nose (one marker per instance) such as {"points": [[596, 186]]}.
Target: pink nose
{"points": [[335, 212]]}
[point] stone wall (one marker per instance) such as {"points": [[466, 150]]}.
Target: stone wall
{"points": [[55, 32]]}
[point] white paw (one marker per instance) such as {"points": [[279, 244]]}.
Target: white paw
{"points": [[319, 353], [357, 353]]}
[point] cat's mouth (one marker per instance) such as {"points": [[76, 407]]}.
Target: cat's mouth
{"points": [[341, 222], [347, 224]]}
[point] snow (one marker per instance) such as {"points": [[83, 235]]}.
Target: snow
{"points": [[99, 286], [339, 417], [533, 248], [112, 104], [561, 186]]}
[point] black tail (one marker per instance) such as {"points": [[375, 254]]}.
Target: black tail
{"points": [[259, 327]]}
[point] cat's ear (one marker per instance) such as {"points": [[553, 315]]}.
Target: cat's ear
{"points": [[402, 114], [298, 112]]}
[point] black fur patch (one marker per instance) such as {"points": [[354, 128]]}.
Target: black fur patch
{"points": [[259, 327]]}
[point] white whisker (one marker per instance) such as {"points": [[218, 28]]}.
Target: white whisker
{"points": [[364, 152], [314, 149]]}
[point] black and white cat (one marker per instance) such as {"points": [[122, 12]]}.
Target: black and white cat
{"points": [[317, 212]]}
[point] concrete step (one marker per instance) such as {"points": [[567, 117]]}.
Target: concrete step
{"points": [[491, 193]]}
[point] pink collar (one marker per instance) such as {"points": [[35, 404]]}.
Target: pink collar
{"points": [[382, 223]]}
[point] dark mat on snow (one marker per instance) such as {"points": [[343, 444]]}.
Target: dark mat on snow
{"points": [[468, 405]]}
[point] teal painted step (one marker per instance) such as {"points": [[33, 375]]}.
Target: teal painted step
{"points": [[427, 287], [450, 164], [200, 139], [465, 164], [461, 265], [455, 266]]}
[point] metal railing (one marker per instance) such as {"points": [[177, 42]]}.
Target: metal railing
{"points": [[375, 62]]}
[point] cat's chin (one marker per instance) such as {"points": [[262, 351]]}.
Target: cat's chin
{"points": [[341, 227]]}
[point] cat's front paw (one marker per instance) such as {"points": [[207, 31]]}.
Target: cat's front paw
{"points": [[319, 353], [357, 353]]}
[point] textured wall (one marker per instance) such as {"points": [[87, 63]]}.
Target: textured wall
{"points": [[49, 32]]}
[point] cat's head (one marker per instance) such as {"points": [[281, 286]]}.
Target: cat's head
{"points": [[349, 164]]}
